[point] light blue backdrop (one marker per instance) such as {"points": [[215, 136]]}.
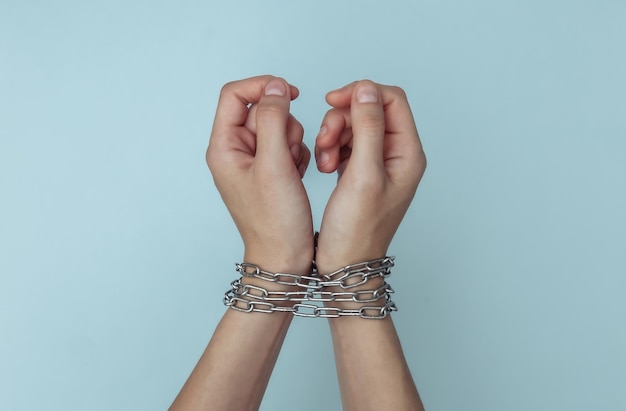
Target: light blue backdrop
{"points": [[115, 248]]}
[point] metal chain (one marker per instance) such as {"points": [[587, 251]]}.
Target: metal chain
{"points": [[347, 277], [309, 310], [310, 289], [238, 289]]}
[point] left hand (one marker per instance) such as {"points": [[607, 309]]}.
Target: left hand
{"points": [[369, 137]]}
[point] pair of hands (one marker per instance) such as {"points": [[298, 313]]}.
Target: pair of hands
{"points": [[258, 159]]}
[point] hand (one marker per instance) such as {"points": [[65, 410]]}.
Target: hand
{"points": [[369, 137], [257, 159]]}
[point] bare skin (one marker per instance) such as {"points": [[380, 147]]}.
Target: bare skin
{"points": [[381, 173], [256, 152]]}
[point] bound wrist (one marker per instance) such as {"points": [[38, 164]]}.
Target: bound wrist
{"points": [[359, 290], [295, 261]]}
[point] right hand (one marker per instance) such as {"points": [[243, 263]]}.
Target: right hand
{"points": [[257, 159]]}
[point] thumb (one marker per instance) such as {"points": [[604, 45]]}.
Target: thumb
{"points": [[272, 115], [368, 126]]}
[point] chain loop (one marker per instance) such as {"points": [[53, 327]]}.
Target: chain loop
{"points": [[313, 288]]}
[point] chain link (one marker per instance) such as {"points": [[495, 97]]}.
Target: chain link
{"points": [[312, 288], [343, 277], [309, 310], [238, 289]]}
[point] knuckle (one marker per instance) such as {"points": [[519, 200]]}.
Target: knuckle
{"points": [[372, 119], [415, 174], [270, 109], [227, 88], [398, 92], [215, 156], [211, 159], [422, 162]]}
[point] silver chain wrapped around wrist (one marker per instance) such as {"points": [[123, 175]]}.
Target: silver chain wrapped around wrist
{"points": [[314, 288]]}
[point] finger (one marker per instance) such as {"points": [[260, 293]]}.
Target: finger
{"points": [[329, 159], [232, 108], [303, 160], [250, 123], [272, 114], [402, 139], [295, 131], [368, 126], [398, 115], [328, 140], [341, 97], [344, 156], [333, 124]]}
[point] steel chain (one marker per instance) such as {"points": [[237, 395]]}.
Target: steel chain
{"points": [[310, 289]]}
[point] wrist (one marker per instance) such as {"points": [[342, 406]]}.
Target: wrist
{"points": [[337, 251], [364, 279], [281, 255], [280, 263], [277, 261], [356, 290], [329, 262]]}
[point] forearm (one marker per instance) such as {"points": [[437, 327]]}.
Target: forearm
{"points": [[371, 368], [373, 373], [234, 370]]}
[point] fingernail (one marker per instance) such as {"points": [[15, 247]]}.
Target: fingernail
{"points": [[366, 93], [275, 87], [295, 151], [322, 131], [302, 169], [323, 158]]}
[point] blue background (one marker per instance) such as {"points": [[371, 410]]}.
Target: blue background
{"points": [[115, 247]]}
